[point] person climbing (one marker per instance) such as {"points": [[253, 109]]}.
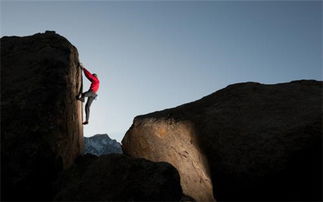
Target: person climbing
{"points": [[91, 93]]}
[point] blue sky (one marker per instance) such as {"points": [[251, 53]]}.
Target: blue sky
{"points": [[152, 55]]}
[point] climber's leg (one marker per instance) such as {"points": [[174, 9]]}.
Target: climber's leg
{"points": [[87, 108], [85, 94]]}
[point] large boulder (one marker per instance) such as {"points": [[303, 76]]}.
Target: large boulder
{"points": [[41, 121], [116, 177], [260, 142]]}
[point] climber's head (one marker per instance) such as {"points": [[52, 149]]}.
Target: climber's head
{"points": [[95, 75]]}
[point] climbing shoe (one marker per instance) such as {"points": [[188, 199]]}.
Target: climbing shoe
{"points": [[80, 98]]}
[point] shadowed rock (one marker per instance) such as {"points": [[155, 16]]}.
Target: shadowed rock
{"points": [[41, 130], [116, 177], [261, 142]]}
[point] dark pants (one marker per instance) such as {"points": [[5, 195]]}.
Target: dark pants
{"points": [[90, 97]]}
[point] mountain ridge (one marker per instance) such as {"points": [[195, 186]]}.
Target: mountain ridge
{"points": [[101, 144]]}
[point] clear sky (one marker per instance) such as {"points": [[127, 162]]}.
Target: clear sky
{"points": [[152, 55]]}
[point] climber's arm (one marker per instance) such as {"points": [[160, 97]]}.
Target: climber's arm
{"points": [[87, 73]]}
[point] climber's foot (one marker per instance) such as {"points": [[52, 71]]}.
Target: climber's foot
{"points": [[80, 98], [85, 123]]}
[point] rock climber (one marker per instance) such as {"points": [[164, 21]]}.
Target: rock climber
{"points": [[91, 93]]}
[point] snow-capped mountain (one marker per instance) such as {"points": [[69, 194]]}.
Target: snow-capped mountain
{"points": [[101, 144]]}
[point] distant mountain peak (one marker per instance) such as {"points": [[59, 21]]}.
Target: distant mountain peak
{"points": [[101, 144], [104, 135]]}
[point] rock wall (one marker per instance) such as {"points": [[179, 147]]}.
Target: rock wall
{"points": [[41, 121], [261, 142]]}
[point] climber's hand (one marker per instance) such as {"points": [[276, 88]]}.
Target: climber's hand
{"points": [[81, 66]]}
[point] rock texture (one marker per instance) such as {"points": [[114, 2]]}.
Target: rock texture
{"points": [[41, 130], [173, 142], [261, 142], [116, 177], [101, 144]]}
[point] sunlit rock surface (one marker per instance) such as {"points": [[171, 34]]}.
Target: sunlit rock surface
{"points": [[117, 177], [41, 130], [173, 142], [261, 142]]}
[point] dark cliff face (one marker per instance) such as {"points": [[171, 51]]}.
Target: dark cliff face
{"points": [[41, 130], [261, 142], [42, 133]]}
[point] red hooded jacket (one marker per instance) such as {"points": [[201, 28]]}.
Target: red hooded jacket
{"points": [[95, 83]]}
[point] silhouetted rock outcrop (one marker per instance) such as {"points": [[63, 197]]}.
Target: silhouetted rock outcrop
{"points": [[261, 142], [101, 144], [42, 133], [116, 177], [41, 130]]}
